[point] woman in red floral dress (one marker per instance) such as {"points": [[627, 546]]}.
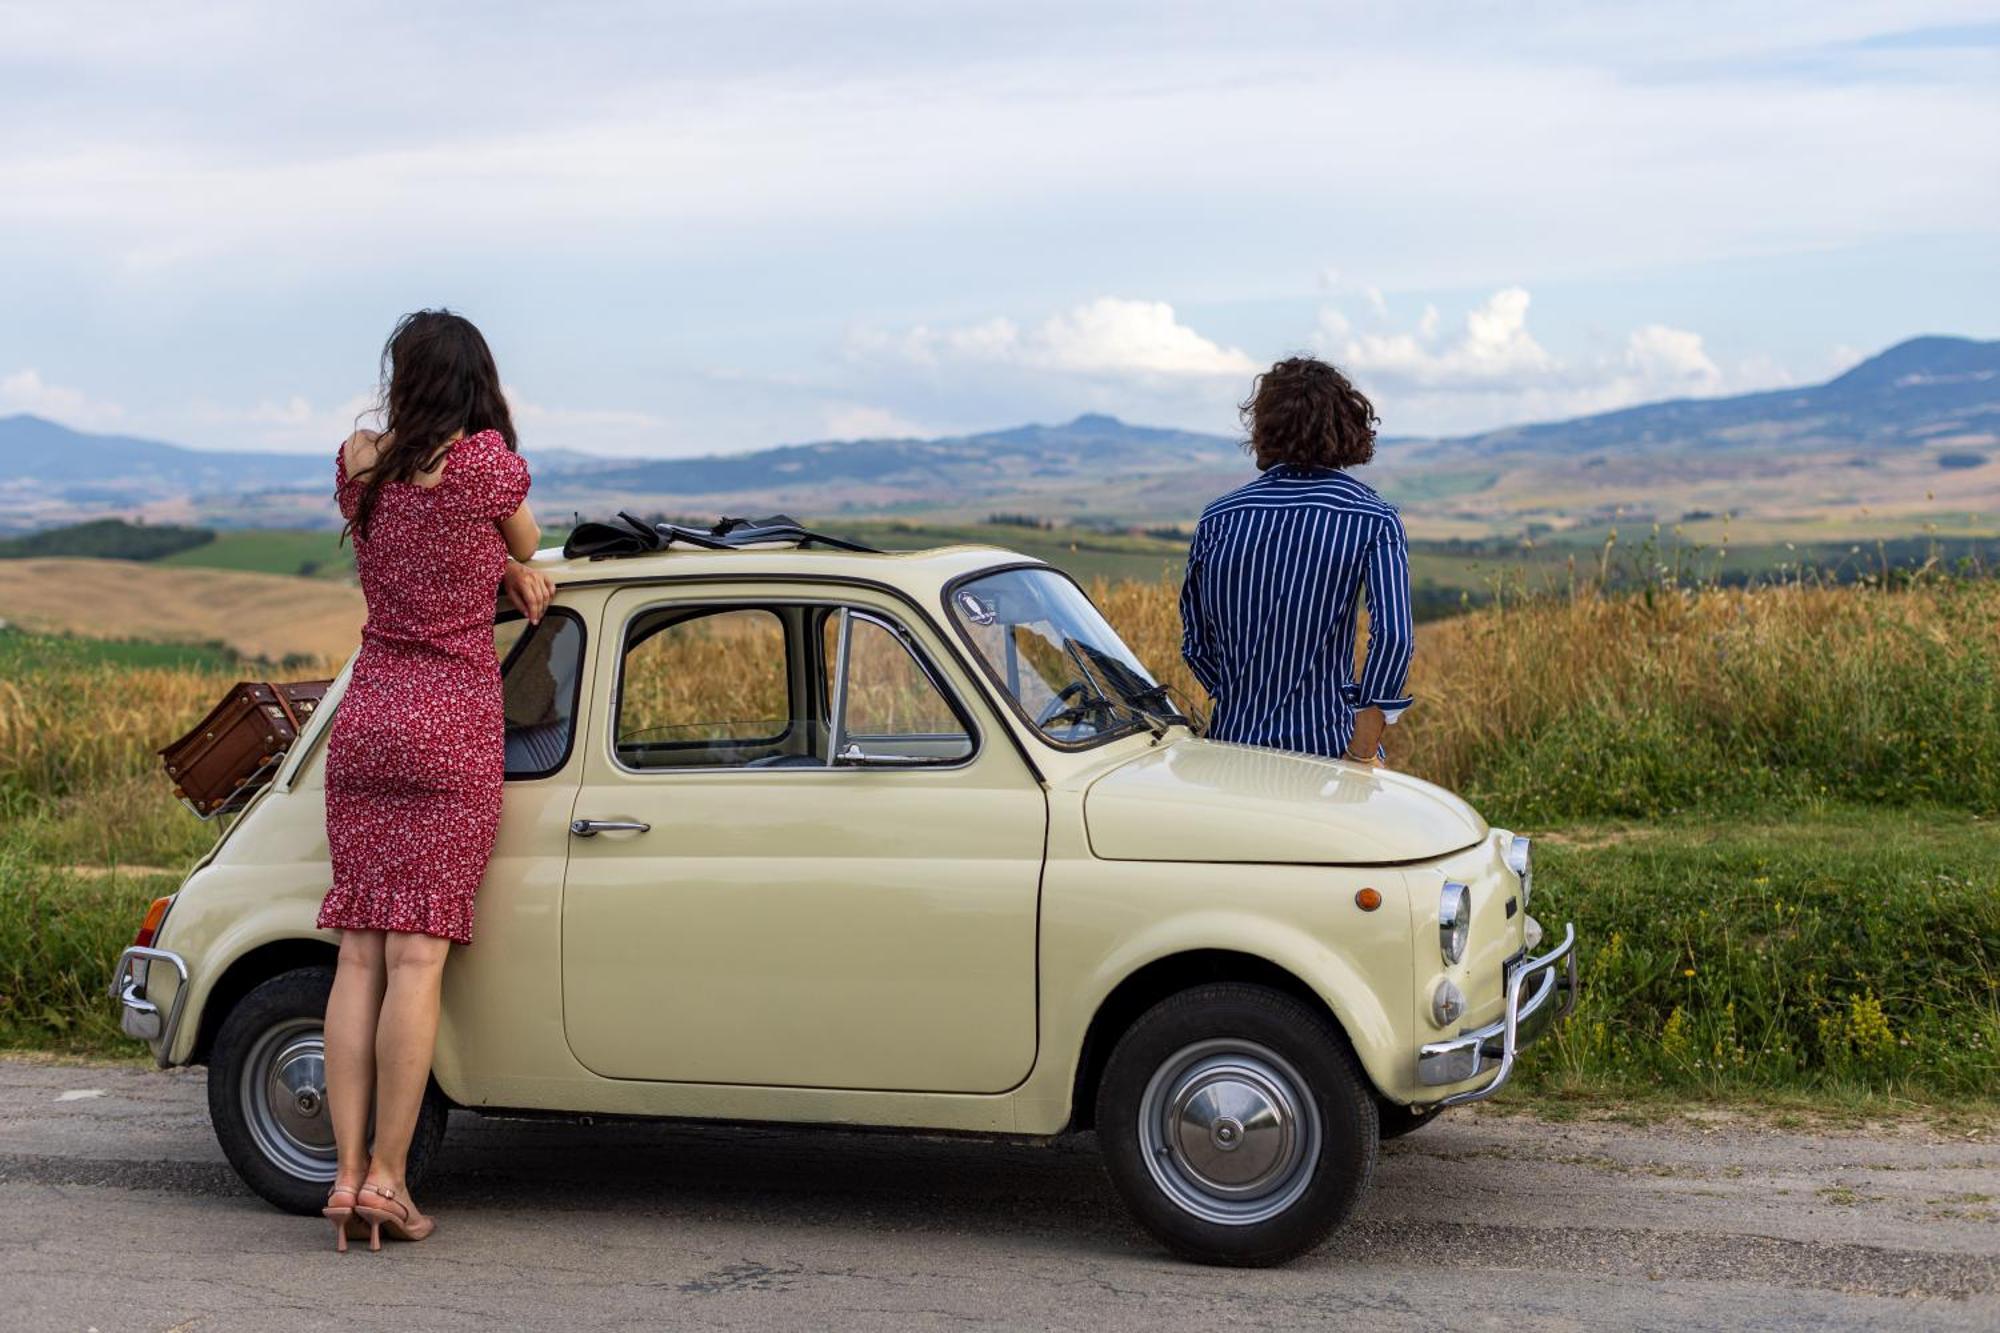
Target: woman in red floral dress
{"points": [[436, 506]]}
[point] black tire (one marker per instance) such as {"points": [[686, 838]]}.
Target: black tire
{"points": [[283, 1150], [1397, 1121], [1184, 1044]]}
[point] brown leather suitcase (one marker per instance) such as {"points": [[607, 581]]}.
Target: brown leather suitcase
{"points": [[227, 759]]}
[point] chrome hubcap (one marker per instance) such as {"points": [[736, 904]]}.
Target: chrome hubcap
{"points": [[1229, 1132], [284, 1099]]}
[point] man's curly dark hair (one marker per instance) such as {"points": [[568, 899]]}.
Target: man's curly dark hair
{"points": [[1304, 412]]}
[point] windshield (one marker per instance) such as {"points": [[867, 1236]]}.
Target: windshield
{"points": [[1066, 669]]}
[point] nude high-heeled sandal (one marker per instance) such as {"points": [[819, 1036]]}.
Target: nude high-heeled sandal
{"points": [[342, 1216], [403, 1222]]}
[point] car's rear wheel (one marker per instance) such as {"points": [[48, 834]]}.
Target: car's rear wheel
{"points": [[267, 1093], [1235, 1124]]}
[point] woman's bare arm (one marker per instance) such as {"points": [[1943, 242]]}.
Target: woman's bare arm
{"points": [[521, 533]]}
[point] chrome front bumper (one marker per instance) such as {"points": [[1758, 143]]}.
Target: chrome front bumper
{"points": [[138, 1016], [1540, 991]]}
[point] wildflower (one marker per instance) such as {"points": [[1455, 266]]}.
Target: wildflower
{"points": [[1687, 971]]}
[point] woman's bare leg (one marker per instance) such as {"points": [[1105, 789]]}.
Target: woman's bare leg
{"points": [[351, 1012], [405, 1039]]}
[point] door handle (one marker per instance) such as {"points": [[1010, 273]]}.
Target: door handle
{"points": [[590, 828]]}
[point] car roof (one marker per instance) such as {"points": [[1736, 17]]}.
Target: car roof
{"points": [[924, 571]]}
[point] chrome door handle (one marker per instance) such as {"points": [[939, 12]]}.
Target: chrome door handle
{"points": [[590, 828]]}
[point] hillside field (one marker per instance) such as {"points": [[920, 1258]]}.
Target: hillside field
{"points": [[308, 552], [268, 616]]}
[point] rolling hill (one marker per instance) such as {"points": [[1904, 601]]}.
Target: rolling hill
{"points": [[270, 616], [1865, 454], [1920, 392]]}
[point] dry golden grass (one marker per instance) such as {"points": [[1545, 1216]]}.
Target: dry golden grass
{"points": [[1545, 710], [271, 616], [1855, 691]]}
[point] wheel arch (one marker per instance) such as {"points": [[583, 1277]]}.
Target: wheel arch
{"points": [[245, 973], [1169, 975]]}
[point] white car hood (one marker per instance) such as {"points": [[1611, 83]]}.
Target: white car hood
{"points": [[1197, 800]]}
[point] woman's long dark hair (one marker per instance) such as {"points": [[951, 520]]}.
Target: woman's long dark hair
{"points": [[438, 380]]}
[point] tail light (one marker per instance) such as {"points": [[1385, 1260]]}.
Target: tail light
{"points": [[149, 929]]}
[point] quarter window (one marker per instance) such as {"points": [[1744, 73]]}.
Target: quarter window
{"points": [[540, 669], [894, 711]]}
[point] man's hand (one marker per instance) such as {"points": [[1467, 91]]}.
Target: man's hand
{"points": [[528, 589], [1369, 724]]}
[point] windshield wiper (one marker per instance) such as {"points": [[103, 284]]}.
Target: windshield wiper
{"points": [[1152, 699], [1097, 669]]}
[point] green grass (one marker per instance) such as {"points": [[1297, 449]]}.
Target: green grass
{"points": [[1851, 955], [60, 932], [315, 552], [22, 651]]}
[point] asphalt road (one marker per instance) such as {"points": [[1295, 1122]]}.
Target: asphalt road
{"points": [[118, 1212]]}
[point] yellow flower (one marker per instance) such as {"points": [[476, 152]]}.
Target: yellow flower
{"points": [[1687, 971]]}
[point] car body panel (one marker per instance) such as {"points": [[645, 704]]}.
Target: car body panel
{"points": [[1200, 800]]}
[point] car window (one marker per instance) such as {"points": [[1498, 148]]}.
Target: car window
{"points": [[707, 688], [1065, 668], [541, 667], [894, 709]]}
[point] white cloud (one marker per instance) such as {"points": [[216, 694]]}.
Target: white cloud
{"points": [[857, 421], [1671, 358], [1108, 336], [1495, 369], [26, 391], [1496, 345], [294, 422]]}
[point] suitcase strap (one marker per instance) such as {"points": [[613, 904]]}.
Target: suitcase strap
{"points": [[286, 704]]}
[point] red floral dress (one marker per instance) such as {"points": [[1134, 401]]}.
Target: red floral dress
{"points": [[414, 763]]}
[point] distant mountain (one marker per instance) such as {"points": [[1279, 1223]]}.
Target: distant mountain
{"points": [[969, 464], [32, 449], [1916, 392], [51, 474], [1927, 404]]}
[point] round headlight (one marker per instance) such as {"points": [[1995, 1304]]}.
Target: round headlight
{"points": [[1447, 1003], [1521, 864], [1454, 921]]}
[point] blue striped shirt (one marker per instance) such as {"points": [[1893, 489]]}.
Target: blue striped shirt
{"points": [[1275, 579]]}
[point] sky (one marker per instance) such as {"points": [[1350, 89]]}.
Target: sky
{"points": [[695, 228]]}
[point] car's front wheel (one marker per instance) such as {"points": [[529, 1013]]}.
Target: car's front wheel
{"points": [[1236, 1125], [267, 1093]]}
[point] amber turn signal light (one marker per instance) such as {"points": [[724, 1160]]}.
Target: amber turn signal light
{"points": [[150, 927], [1367, 899]]}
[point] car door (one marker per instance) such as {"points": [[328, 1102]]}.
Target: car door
{"points": [[819, 859], [502, 994]]}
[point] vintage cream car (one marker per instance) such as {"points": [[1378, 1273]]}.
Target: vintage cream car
{"points": [[897, 840]]}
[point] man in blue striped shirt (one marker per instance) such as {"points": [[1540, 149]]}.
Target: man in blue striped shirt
{"points": [[1280, 567]]}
